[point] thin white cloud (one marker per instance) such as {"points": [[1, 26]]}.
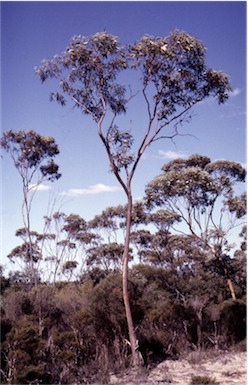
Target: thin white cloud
{"points": [[235, 92], [138, 199], [95, 189], [40, 187], [209, 101], [171, 155], [244, 165]]}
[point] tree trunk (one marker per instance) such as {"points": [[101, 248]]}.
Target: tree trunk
{"points": [[125, 258], [26, 221], [231, 288], [226, 274], [199, 329]]}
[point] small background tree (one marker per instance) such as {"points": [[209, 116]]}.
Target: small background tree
{"points": [[202, 195], [32, 155]]}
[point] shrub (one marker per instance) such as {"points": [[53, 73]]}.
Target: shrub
{"points": [[241, 346], [203, 380], [233, 321]]}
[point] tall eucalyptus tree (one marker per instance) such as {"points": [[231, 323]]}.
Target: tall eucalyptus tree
{"points": [[173, 79]]}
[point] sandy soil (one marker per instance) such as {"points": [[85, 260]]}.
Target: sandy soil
{"points": [[225, 369]]}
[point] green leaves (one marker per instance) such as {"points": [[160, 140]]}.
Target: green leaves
{"points": [[233, 170], [217, 84], [191, 183], [201, 195], [196, 179], [108, 256], [26, 252], [172, 74], [176, 66], [86, 72], [121, 144], [29, 150], [238, 205]]}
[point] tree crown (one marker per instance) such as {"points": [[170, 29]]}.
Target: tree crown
{"points": [[29, 151]]}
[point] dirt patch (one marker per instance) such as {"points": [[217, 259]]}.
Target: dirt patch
{"points": [[226, 369]]}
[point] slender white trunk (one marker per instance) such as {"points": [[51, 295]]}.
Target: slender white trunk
{"points": [[131, 330]]}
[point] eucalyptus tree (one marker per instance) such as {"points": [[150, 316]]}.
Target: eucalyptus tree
{"points": [[64, 244], [108, 224], [110, 228], [80, 235], [21, 253], [107, 256], [173, 79], [32, 155], [202, 194]]}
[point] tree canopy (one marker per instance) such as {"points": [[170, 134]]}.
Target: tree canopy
{"points": [[174, 78], [202, 194]]}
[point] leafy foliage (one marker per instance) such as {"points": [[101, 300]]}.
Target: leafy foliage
{"points": [[175, 66], [91, 65], [29, 150], [174, 77], [77, 331], [192, 189]]}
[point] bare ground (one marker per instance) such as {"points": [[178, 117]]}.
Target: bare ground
{"points": [[225, 368]]}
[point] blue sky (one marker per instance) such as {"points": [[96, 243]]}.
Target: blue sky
{"points": [[32, 31]]}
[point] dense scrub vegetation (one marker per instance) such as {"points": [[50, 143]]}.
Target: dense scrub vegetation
{"points": [[63, 317], [76, 332]]}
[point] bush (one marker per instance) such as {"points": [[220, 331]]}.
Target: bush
{"points": [[233, 321], [203, 380], [241, 346], [77, 332]]}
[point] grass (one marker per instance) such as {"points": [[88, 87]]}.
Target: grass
{"points": [[198, 356]]}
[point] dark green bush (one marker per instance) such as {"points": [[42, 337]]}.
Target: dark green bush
{"points": [[233, 321], [77, 333], [203, 380]]}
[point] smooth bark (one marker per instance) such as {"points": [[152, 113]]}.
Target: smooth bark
{"points": [[131, 329]]}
